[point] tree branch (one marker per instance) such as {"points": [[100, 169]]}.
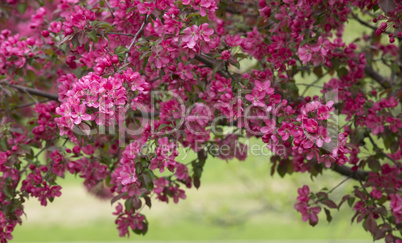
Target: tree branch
{"points": [[26, 105], [377, 77], [116, 33], [366, 24], [346, 171], [210, 64], [380, 150], [32, 91], [135, 37], [110, 8], [313, 83], [400, 56]]}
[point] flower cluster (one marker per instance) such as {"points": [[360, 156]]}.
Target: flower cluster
{"points": [[309, 213]]}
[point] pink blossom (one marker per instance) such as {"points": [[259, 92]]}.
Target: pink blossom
{"points": [[375, 123], [327, 160], [127, 174], [396, 207], [146, 7], [79, 114], [159, 56], [205, 32], [322, 46], [394, 123], [310, 125], [233, 41], [322, 136], [264, 87], [323, 113], [181, 172], [191, 36], [303, 194], [304, 54], [256, 98], [177, 193], [225, 55], [285, 130], [375, 193]]}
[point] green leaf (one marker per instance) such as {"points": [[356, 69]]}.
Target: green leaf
{"points": [[342, 71], [217, 66], [387, 5], [282, 169], [240, 55], [101, 24], [4, 143], [75, 41], [318, 71], [147, 178], [145, 62], [351, 200], [128, 204], [394, 146], [22, 7], [328, 213], [49, 52], [92, 35], [120, 51], [196, 182], [145, 54], [31, 76], [144, 229], [148, 201], [161, 126], [374, 164], [236, 64]]}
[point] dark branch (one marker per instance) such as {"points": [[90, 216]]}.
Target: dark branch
{"points": [[346, 171], [110, 8], [26, 105], [116, 33], [377, 77], [380, 150], [36, 92], [210, 64], [135, 37], [400, 56], [366, 24]]}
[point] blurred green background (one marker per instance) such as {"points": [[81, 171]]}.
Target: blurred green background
{"points": [[237, 202]]}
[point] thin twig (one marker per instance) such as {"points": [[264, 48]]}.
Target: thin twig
{"points": [[366, 24], [110, 8], [315, 86], [333, 189], [135, 37], [316, 81], [210, 64], [43, 149], [380, 150], [374, 204], [346, 171], [32, 91], [116, 33], [30, 96], [26, 105], [376, 76], [7, 109]]}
